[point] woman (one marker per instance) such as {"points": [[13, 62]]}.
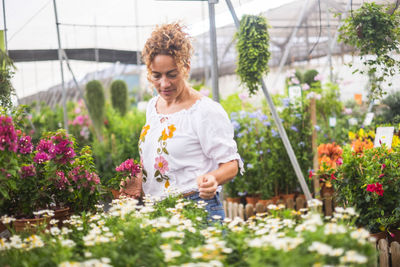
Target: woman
{"points": [[186, 145]]}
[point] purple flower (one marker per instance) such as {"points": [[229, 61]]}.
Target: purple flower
{"points": [[274, 133], [285, 102], [25, 144], [294, 128], [8, 136], [129, 166], [41, 157], [28, 171]]}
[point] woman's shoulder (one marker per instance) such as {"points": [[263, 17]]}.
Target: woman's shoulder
{"points": [[208, 107]]}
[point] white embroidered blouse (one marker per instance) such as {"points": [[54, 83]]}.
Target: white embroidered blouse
{"points": [[177, 148]]}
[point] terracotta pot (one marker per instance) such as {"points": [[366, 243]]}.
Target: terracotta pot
{"points": [[2, 227], [252, 200], [115, 193], [288, 196], [20, 225], [275, 199], [378, 236], [326, 191], [233, 199], [265, 202], [61, 215]]}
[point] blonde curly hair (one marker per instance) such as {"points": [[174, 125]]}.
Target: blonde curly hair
{"points": [[169, 39]]}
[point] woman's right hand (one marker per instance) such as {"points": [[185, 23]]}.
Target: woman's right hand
{"points": [[132, 187]]}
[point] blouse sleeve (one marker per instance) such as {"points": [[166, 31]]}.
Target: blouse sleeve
{"points": [[215, 133]]}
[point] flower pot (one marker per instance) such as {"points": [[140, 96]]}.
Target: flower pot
{"points": [[21, 225], [115, 193], [326, 191], [61, 215], [265, 202], [233, 199], [378, 236], [275, 199], [252, 200]]}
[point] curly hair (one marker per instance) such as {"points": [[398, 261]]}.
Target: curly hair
{"points": [[169, 39]]}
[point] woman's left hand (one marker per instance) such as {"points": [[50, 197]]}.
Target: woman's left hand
{"points": [[208, 185]]}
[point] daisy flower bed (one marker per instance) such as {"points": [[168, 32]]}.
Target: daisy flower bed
{"points": [[176, 232]]}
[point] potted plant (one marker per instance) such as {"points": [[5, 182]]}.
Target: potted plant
{"points": [[329, 156], [369, 180], [125, 171], [374, 30]]}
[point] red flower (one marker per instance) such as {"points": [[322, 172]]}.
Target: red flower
{"points": [[377, 188], [310, 174], [333, 176]]}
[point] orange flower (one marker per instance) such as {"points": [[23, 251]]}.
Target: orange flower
{"points": [[165, 135], [359, 146], [144, 132]]}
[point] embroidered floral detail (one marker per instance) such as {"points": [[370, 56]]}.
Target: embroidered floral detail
{"points": [[168, 133], [161, 164], [144, 132]]}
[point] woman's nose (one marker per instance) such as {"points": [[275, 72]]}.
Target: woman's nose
{"points": [[164, 82]]}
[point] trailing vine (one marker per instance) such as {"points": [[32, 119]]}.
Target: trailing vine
{"points": [[374, 30], [6, 73], [253, 51]]}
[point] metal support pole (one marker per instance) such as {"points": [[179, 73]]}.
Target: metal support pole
{"points": [[289, 44], [5, 28], [329, 41], [278, 123], [60, 58], [213, 46]]}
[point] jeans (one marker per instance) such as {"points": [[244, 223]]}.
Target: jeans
{"points": [[214, 206]]}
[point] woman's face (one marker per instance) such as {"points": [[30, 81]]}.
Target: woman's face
{"points": [[166, 77]]}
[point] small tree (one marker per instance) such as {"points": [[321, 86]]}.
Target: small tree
{"points": [[119, 96], [96, 102]]}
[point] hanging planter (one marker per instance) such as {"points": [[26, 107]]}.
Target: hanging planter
{"points": [[253, 51], [374, 30]]}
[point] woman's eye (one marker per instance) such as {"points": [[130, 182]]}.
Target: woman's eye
{"points": [[171, 75], [156, 76]]}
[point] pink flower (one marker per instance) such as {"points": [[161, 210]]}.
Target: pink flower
{"points": [[339, 161], [161, 164], [41, 157], [129, 166], [305, 86], [383, 166], [8, 135], [294, 80], [25, 145], [243, 96], [318, 77], [205, 92], [28, 171]]}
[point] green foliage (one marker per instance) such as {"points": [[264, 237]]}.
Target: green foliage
{"points": [[121, 137], [6, 73], [309, 76], [374, 31], [391, 109], [253, 51], [96, 101], [175, 232], [119, 96], [360, 170]]}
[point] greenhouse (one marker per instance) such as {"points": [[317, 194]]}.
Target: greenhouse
{"points": [[200, 133]]}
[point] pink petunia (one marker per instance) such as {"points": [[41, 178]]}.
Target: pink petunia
{"points": [[161, 164]]}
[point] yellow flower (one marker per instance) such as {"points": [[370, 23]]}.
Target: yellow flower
{"points": [[395, 141], [170, 134], [352, 135], [361, 133], [144, 132]]}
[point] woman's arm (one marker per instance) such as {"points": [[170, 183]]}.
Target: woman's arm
{"points": [[209, 182]]}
